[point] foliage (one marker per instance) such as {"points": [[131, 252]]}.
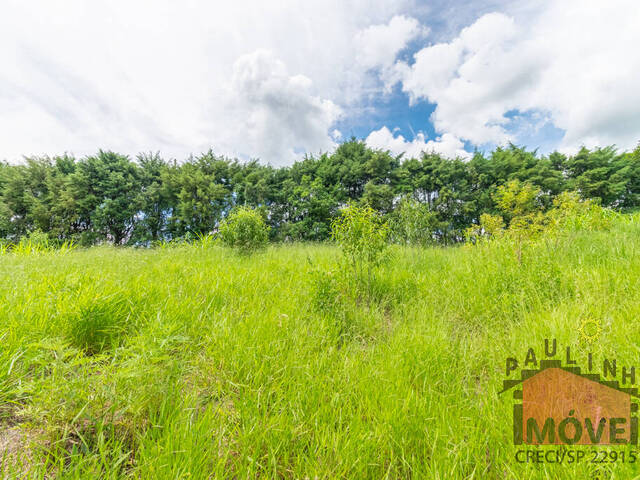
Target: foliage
{"points": [[156, 205], [521, 207], [105, 189], [414, 223], [528, 222], [362, 235], [571, 213], [490, 227], [111, 198], [517, 199], [201, 193], [244, 229]]}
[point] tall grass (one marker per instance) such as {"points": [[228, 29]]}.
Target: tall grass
{"points": [[191, 362], [30, 246]]}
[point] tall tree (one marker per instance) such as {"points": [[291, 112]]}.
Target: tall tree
{"points": [[155, 199], [107, 191], [202, 192]]}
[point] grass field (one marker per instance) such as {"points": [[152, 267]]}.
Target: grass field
{"points": [[193, 362]]}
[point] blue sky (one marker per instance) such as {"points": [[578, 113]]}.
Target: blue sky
{"points": [[409, 120], [390, 109], [276, 80]]}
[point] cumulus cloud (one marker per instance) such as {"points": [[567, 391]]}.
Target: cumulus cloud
{"points": [[180, 76], [447, 145], [275, 79], [378, 45], [275, 114], [573, 63]]}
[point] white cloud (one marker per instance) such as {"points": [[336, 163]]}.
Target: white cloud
{"points": [[378, 45], [574, 62], [270, 79], [273, 114], [447, 145], [139, 75]]}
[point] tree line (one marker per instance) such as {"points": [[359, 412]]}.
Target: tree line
{"points": [[109, 197]]}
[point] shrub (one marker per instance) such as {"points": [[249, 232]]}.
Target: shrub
{"points": [[571, 213], [362, 235], [245, 230]]}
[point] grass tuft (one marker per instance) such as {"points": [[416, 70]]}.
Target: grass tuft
{"points": [[100, 323]]}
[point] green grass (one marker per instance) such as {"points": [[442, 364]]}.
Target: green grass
{"points": [[199, 363]]}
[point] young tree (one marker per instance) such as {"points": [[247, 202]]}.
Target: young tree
{"points": [[520, 205], [362, 235]]}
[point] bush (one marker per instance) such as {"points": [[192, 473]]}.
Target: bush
{"points": [[362, 235], [245, 230], [571, 213]]}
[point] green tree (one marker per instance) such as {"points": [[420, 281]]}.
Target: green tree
{"points": [[107, 192], [201, 193], [601, 174], [155, 200], [378, 196], [15, 205]]}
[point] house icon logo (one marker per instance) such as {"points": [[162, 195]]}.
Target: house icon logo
{"points": [[558, 403]]}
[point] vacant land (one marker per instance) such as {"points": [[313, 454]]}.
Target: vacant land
{"points": [[196, 362]]}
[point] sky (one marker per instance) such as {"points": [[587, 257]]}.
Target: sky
{"points": [[280, 79]]}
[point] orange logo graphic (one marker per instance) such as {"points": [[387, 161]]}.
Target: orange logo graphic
{"points": [[561, 405]]}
